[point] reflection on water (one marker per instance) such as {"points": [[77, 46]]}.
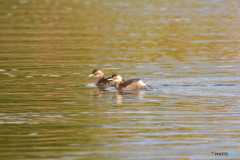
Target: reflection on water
{"points": [[187, 51]]}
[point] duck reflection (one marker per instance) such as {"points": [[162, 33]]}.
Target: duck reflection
{"points": [[118, 95], [101, 91]]}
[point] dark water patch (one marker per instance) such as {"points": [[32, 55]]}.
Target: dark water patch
{"points": [[225, 85]]}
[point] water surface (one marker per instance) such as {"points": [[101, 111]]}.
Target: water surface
{"points": [[187, 51]]}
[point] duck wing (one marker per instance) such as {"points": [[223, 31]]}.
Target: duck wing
{"points": [[105, 82], [132, 84]]}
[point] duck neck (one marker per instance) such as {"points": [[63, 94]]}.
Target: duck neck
{"points": [[101, 77], [118, 84]]}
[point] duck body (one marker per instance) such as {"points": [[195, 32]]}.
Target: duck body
{"points": [[105, 82], [131, 84], [102, 81]]}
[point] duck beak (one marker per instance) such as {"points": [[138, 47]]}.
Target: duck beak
{"points": [[90, 75], [111, 79]]}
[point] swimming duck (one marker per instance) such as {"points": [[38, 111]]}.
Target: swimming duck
{"points": [[131, 84], [104, 82]]}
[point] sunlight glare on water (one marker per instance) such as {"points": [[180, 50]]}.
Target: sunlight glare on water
{"points": [[186, 51]]}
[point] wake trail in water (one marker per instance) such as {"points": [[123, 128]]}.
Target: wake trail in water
{"points": [[211, 87]]}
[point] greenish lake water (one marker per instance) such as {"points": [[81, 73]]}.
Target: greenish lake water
{"points": [[187, 51]]}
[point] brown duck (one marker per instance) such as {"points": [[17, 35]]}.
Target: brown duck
{"points": [[131, 84], [104, 82]]}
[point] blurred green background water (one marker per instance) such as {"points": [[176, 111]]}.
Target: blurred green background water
{"points": [[187, 51]]}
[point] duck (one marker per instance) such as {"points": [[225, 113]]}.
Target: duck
{"points": [[102, 82], [131, 84]]}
